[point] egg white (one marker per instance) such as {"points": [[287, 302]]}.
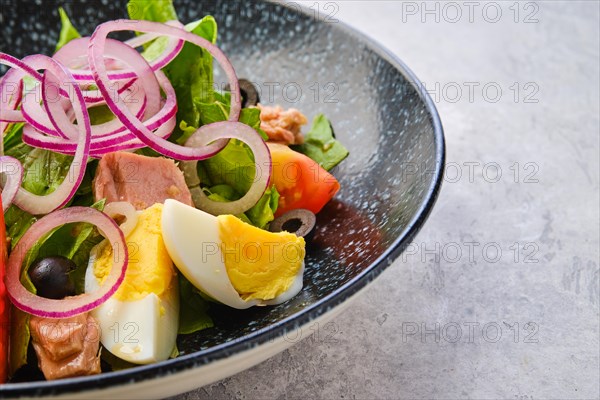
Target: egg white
{"points": [[191, 237], [141, 331]]}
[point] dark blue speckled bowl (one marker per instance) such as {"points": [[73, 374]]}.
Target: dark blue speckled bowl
{"points": [[389, 182]]}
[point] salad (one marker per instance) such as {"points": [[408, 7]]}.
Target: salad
{"points": [[135, 195]]}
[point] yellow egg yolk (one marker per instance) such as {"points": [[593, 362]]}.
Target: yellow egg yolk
{"points": [[260, 264], [150, 269]]}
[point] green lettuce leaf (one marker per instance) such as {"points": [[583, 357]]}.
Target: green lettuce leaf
{"points": [[152, 10], [67, 31], [263, 211], [228, 175], [157, 11], [193, 309], [218, 110], [13, 136], [44, 171], [260, 215], [233, 166], [100, 115], [17, 223], [321, 146]]}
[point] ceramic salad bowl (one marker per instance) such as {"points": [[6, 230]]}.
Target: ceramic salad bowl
{"points": [[389, 183]]}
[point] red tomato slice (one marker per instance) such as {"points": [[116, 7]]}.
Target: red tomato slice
{"points": [[300, 181]]}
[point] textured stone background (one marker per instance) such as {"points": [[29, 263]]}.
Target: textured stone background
{"points": [[498, 296]]}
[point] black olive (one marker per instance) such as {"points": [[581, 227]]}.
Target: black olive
{"points": [[50, 276], [300, 222], [248, 91]]}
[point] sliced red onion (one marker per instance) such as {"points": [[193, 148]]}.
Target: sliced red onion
{"points": [[40, 118], [8, 111], [13, 62], [12, 170], [125, 209], [138, 107], [115, 51], [11, 94], [56, 107], [92, 97], [167, 111], [74, 50], [111, 135], [35, 115], [99, 147], [262, 161], [98, 43], [70, 306], [163, 123], [140, 40], [141, 70], [35, 204]]}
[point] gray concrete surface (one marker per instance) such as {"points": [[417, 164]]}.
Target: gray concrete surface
{"points": [[498, 296]]}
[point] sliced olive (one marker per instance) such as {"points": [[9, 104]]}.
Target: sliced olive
{"points": [[300, 222], [50, 276], [248, 91]]}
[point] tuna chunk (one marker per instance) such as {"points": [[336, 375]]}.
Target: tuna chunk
{"points": [[281, 125], [66, 347], [142, 181]]}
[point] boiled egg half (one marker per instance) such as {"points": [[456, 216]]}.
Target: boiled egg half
{"points": [[231, 261], [139, 322]]}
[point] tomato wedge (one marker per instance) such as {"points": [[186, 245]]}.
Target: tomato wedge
{"points": [[4, 304], [300, 181]]}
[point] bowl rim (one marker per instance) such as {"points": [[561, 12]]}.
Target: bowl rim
{"points": [[325, 305]]}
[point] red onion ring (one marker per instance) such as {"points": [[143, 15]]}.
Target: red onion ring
{"points": [[12, 170], [93, 96], [98, 67], [13, 62], [161, 123], [125, 209], [15, 75], [35, 115], [40, 119], [118, 142], [141, 70], [70, 306], [56, 107], [262, 160], [10, 102], [35, 204], [75, 49]]}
